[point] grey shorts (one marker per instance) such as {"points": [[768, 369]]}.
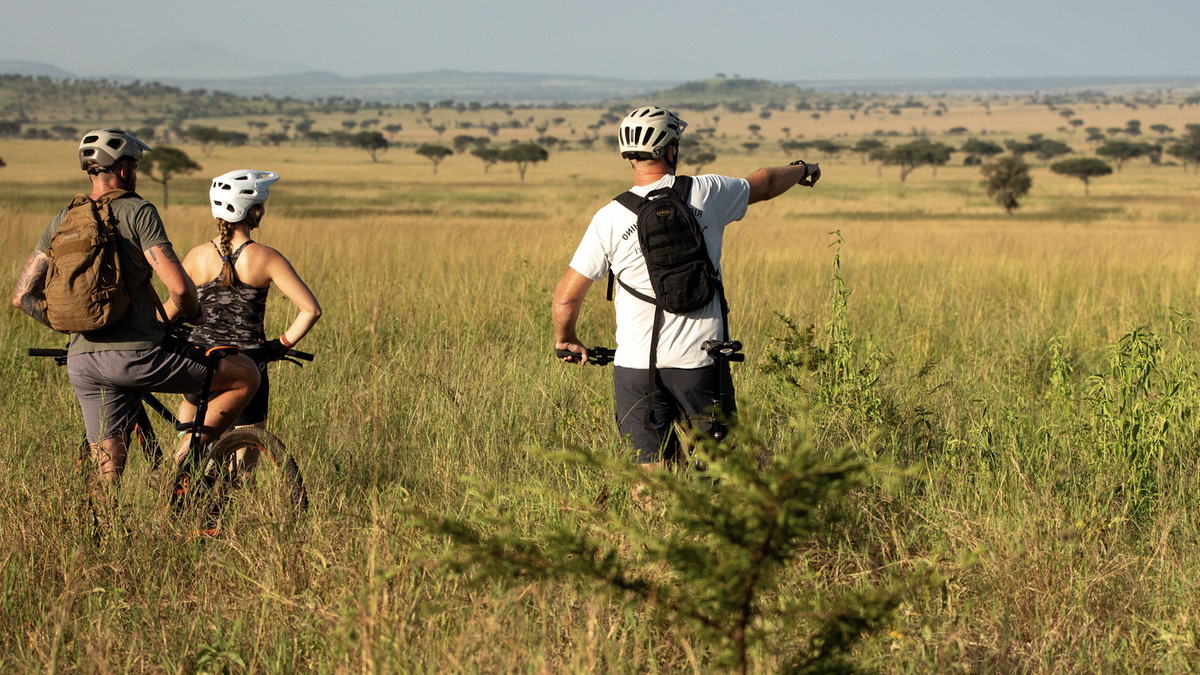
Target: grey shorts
{"points": [[109, 385], [682, 393]]}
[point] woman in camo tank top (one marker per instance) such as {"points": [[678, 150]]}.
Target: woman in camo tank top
{"points": [[233, 275]]}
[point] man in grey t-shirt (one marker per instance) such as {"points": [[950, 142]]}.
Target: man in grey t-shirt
{"points": [[111, 367]]}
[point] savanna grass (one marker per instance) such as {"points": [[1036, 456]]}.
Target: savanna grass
{"points": [[979, 333]]}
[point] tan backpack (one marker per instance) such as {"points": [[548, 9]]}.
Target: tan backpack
{"points": [[85, 289]]}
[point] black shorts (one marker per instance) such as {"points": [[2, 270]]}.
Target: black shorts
{"points": [[682, 393], [256, 409]]}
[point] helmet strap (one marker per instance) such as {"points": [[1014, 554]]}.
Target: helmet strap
{"points": [[672, 163]]}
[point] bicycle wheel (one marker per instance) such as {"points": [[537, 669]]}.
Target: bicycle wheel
{"points": [[266, 479]]}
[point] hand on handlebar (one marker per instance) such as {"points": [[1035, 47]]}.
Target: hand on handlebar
{"points": [[571, 352], [277, 348]]}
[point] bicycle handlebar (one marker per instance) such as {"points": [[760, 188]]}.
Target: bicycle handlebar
{"points": [[597, 356], [56, 353], [303, 356]]}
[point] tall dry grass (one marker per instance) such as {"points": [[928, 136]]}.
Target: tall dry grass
{"points": [[434, 367]]}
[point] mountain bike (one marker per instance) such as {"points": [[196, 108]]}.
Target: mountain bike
{"points": [[248, 462]]}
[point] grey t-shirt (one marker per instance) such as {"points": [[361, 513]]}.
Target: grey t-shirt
{"points": [[139, 229]]}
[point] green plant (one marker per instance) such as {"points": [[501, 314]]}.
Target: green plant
{"points": [[712, 562], [1007, 181]]}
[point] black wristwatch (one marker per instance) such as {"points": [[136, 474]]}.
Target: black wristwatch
{"points": [[806, 169]]}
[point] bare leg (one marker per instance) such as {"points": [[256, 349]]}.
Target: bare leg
{"points": [[640, 494], [233, 386], [110, 455]]}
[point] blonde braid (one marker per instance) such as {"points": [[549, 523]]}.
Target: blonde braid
{"points": [[227, 273]]}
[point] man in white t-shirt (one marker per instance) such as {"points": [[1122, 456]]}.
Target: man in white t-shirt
{"points": [[685, 384]]}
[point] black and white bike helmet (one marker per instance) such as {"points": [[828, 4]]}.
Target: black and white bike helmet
{"points": [[101, 148], [646, 132], [233, 193]]}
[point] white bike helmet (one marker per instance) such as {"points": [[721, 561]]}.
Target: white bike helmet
{"points": [[102, 148], [232, 193], [646, 132]]}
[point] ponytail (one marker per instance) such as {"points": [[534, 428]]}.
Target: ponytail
{"points": [[253, 217], [227, 273]]}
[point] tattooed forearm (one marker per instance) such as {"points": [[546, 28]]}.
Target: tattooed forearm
{"points": [[33, 275], [36, 308], [189, 305], [28, 295], [169, 254]]}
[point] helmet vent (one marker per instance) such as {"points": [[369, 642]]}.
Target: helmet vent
{"points": [[115, 143], [229, 208], [246, 192], [91, 139], [658, 140], [637, 136]]}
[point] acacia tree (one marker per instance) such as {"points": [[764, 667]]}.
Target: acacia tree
{"points": [[1048, 149], [205, 136], [1083, 168], [985, 149], [463, 141], [434, 153], [489, 156], [1188, 149], [1120, 151], [865, 146], [1007, 181], [168, 162], [371, 141], [909, 156], [523, 155]]}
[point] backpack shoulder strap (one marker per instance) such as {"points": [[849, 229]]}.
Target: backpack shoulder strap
{"points": [[683, 187], [630, 201]]}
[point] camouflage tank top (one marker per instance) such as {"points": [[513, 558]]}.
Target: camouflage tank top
{"points": [[235, 313]]}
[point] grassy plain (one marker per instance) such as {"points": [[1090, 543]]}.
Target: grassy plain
{"points": [[433, 366]]}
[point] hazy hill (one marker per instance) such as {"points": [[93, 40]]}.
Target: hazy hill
{"points": [[31, 69], [432, 86], [726, 90]]}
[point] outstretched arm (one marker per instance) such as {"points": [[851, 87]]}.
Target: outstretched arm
{"points": [[568, 300], [179, 285], [29, 296], [770, 182]]}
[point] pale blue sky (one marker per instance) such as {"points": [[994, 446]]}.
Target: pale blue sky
{"points": [[781, 40]]}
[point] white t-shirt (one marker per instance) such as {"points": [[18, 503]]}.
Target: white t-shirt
{"points": [[612, 241]]}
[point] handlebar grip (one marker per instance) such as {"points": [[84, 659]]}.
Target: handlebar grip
{"points": [[565, 353], [47, 352], [303, 356]]}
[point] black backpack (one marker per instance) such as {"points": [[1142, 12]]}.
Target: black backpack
{"points": [[682, 274]]}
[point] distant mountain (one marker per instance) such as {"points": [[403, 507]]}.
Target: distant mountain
{"points": [[432, 86], [1003, 85], [30, 69], [183, 59]]}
